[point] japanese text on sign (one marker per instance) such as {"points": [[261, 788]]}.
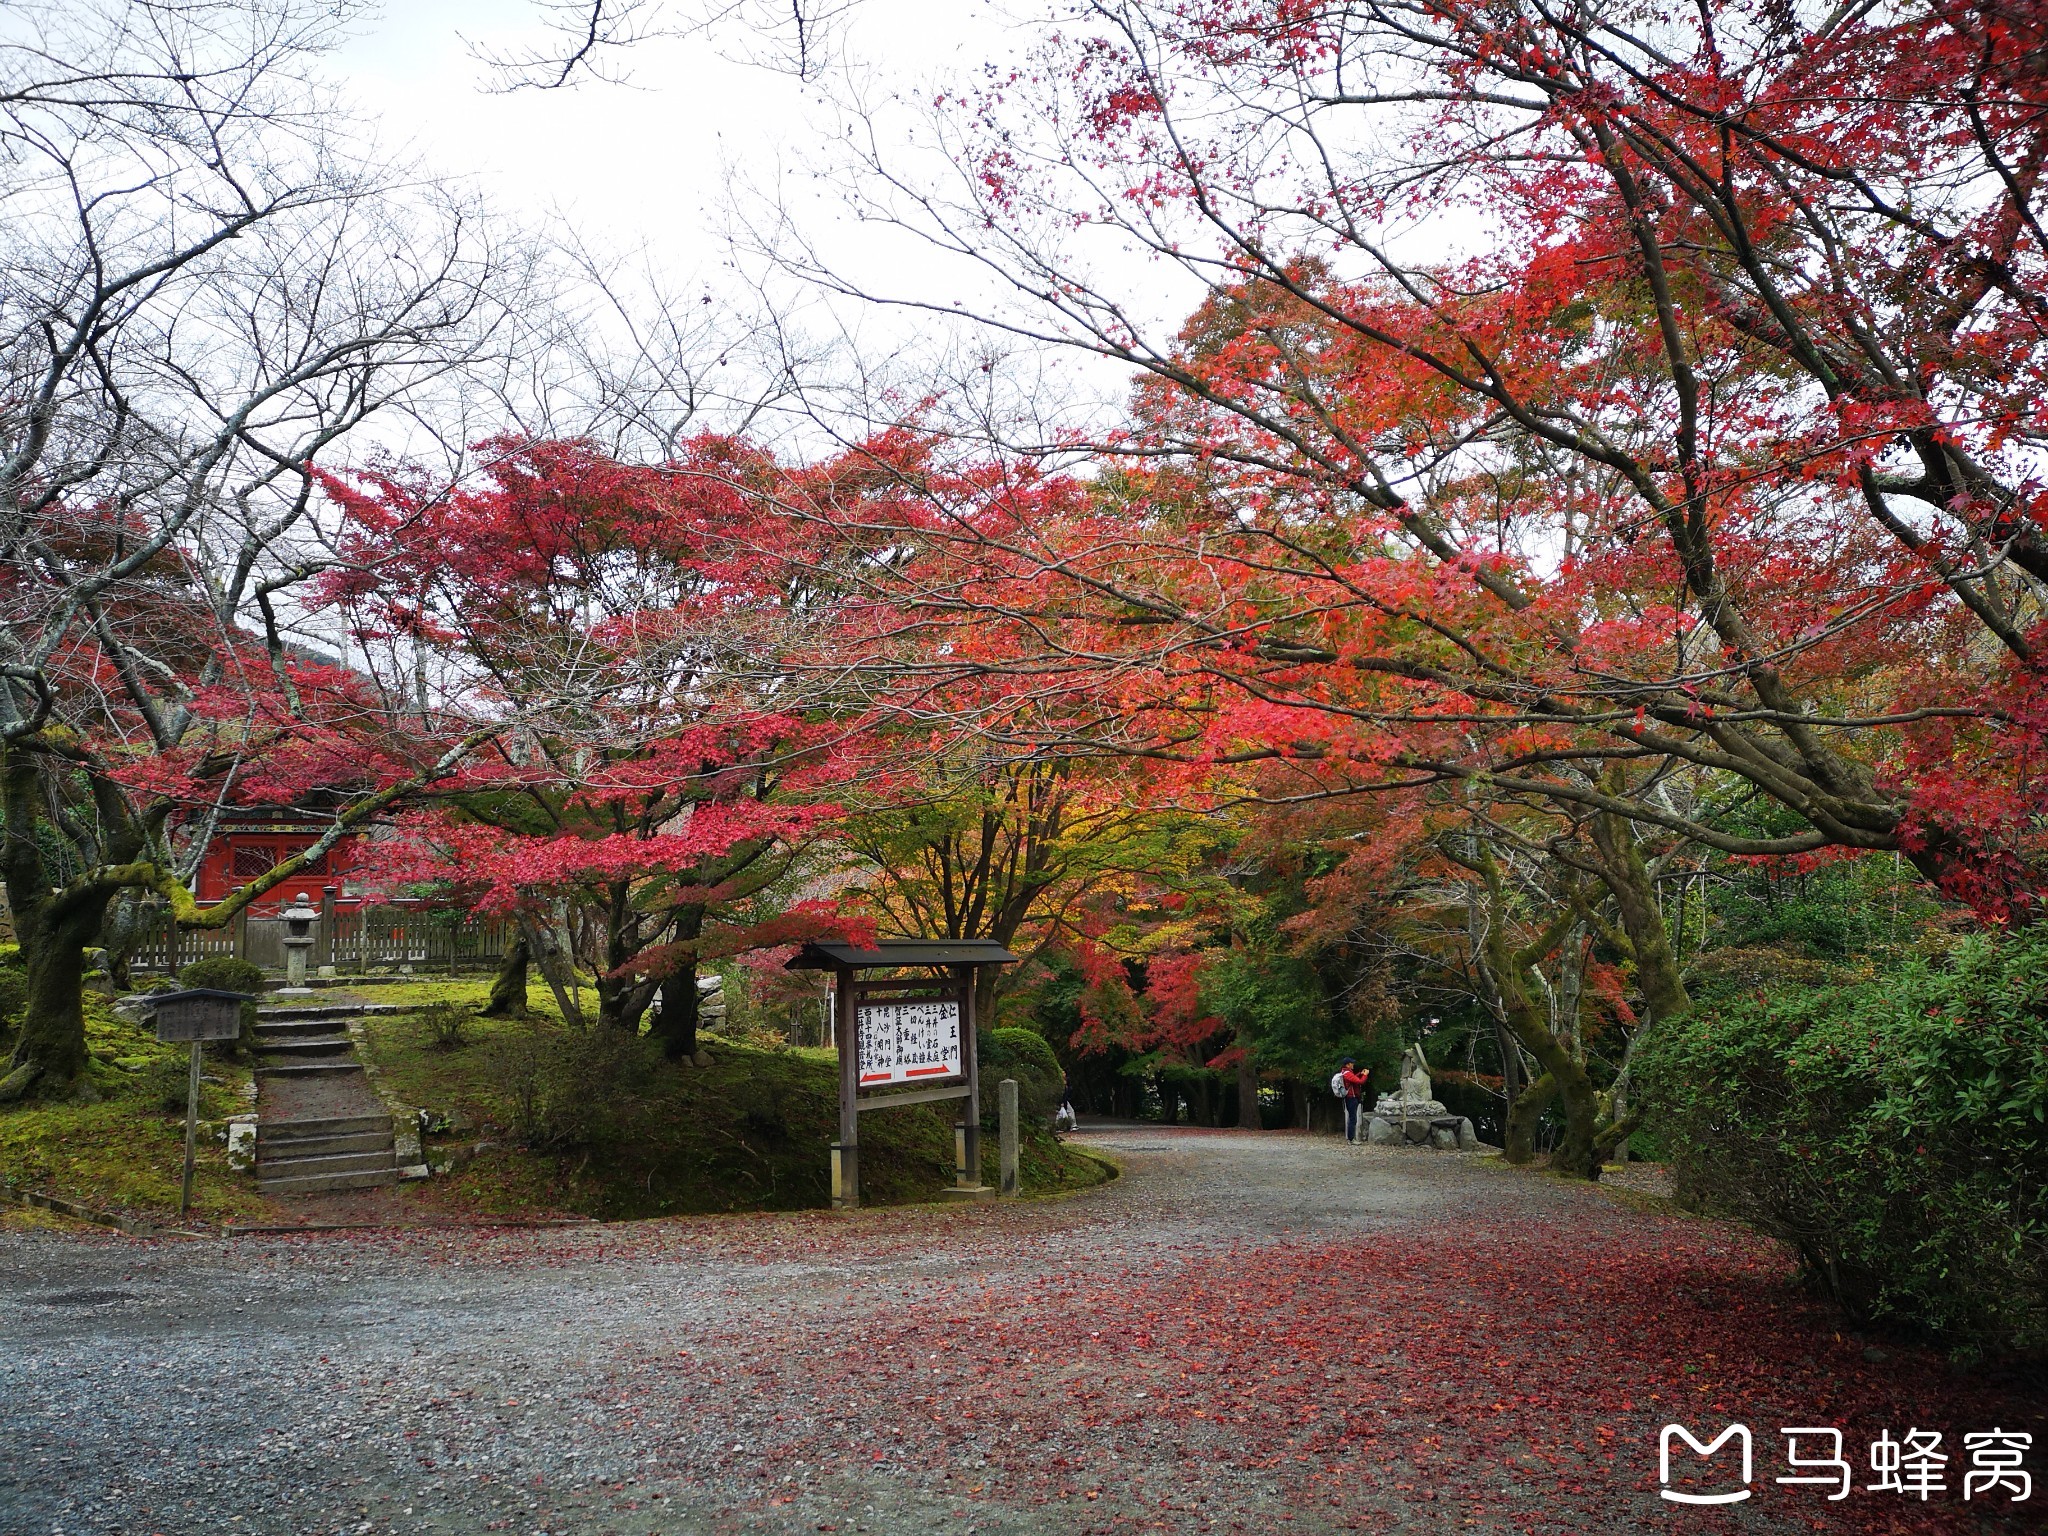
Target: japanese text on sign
{"points": [[908, 1041]]}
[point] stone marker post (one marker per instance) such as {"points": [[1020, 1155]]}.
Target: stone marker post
{"points": [[1006, 1132]]}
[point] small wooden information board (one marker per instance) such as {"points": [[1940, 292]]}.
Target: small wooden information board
{"points": [[904, 1039], [201, 1013], [192, 1017]]}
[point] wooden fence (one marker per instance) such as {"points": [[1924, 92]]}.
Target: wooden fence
{"points": [[352, 940]]}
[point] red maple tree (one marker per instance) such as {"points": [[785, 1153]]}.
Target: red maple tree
{"points": [[660, 775]]}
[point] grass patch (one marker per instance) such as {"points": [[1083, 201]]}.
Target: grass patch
{"points": [[600, 1125], [125, 1152]]}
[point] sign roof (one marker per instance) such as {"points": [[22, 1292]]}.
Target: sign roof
{"points": [[827, 955]]}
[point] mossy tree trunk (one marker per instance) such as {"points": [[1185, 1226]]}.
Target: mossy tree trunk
{"points": [[1524, 1115], [49, 1053], [508, 987], [1509, 971], [130, 918], [55, 925], [676, 1028], [1645, 937]]}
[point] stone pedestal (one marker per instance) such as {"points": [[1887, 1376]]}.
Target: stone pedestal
{"points": [[1412, 1115], [295, 953], [1388, 1127]]}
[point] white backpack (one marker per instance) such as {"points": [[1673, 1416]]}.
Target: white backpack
{"points": [[1337, 1082]]}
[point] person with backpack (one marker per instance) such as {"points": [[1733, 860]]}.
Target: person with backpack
{"points": [[1348, 1084]]}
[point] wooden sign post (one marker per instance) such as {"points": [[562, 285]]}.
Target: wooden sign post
{"points": [[196, 1016], [905, 1039]]}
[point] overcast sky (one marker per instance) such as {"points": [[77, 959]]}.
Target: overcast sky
{"points": [[645, 163]]}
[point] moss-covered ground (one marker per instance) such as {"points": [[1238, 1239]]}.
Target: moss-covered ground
{"points": [[119, 1144], [572, 1123], [533, 1119]]}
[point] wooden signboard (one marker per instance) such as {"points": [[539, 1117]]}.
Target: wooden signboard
{"points": [[184, 1018], [904, 1039], [190, 1018]]}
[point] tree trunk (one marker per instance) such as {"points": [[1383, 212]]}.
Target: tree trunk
{"points": [[50, 1053], [508, 989], [987, 989], [676, 1028], [1524, 1117], [1248, 1092], [129, 920], [541, 941], [1625, 875], [1511, 1084], [1564, 1075]]}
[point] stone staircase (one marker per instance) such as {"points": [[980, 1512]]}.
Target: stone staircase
{"points": [[319, 1125]]}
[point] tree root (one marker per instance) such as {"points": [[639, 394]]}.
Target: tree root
{"points": [[17, 1083]]}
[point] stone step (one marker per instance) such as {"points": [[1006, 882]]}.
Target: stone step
{"points": [[269, 1151], [331, 1125], [326, 1162], [304, 1045], [322, 1183], [280, 1013], [317, 1066], [294, 1029]]}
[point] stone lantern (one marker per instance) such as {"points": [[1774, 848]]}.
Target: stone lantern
{"points": [[299, 918]]}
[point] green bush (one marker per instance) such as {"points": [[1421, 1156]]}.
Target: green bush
{"points": [[1027, 1056], [573, 1088], [223, 973], [1895, 1133], [446, 1026]]}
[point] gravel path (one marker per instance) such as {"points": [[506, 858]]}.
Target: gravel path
{"points": [[1245, 1332]]}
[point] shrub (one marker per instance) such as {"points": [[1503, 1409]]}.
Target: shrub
{"points": [[224, 973], [446, 1025], [167, 1082], [1027, 1056], [563, 1089], [1895, 1133]]}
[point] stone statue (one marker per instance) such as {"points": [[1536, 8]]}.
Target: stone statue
{"points": [[1417, 1097], [1414, 1114], [1415, 1084]]}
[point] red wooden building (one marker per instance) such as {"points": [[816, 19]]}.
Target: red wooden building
{"points": [[254, 842]]}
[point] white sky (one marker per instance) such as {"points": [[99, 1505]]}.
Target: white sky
{"points": [[642, 164]]}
